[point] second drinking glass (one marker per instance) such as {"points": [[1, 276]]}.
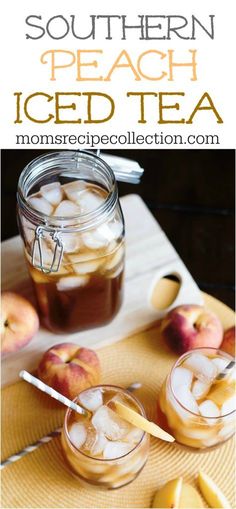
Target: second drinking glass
{"points": [[200, 405]]}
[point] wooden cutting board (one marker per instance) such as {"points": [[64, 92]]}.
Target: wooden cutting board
{"points": [[149, 257]]}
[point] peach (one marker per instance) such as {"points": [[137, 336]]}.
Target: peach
{"points": [[191, 326], [177, 494], [228, 343], [19, 322], [169, 494], [69, 369], [211, 491]]}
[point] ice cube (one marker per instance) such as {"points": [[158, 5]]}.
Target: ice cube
{"points": [[185, 397], [71, 242], [70, 282], [99, 444], [78, 434], [228, 406], [111, 248], [84, 263], [82, 256], [90, 201], [202, 367], [115, 450], [41, 205], [220, 363], [114, 259], [116, 227], [226, 431], [105, 232], [52, 193], [209, 409], [174, 407], [111, 230], [98, 467], [91, 399], [133, 465], [94, 240], [201, 432], [200, 389], [67, 208], [134, 436], [91, 437], [74, 189], [106, 421], [210, 441], [115, 273], [86, 267], [181, 376]]}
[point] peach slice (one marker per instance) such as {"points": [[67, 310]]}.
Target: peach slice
{"points": [[211, 492], [177, 494], [189, 497], [169, 494], [139, 421]]}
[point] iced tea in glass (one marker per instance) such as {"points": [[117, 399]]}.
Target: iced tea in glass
{"points": [[199, 407], [103, 450]]}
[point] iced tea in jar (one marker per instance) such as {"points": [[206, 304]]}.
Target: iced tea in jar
{"points": [[72, 227]]}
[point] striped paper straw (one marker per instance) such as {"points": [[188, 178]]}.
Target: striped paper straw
{"points": [[47, 438], [226, 371], [30, 448], [51, 392]]}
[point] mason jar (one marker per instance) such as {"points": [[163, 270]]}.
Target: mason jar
{"points": [[72, 227]]}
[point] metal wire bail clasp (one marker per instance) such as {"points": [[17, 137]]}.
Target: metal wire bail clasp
{"points": [[56, 255]]}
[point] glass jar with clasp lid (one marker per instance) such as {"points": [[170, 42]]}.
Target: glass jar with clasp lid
{"points": [[72, 228]]}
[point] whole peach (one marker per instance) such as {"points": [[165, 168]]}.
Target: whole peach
{"points": [[19, 322], [69, 368], [228, 343], [191, 326]]}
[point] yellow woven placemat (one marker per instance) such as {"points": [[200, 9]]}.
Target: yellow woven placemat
{"points": [[40, 479]]}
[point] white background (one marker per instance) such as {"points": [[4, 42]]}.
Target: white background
{"points": [[22, 70]]}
